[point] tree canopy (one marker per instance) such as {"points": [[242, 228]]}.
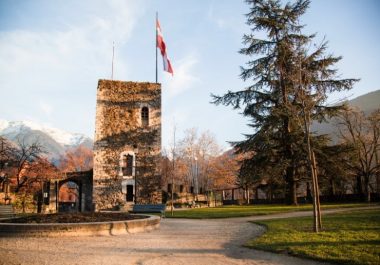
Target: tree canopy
{"points": [[287, 79]]}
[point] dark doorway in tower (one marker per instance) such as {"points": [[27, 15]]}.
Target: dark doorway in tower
{"points": [[129, 193]]}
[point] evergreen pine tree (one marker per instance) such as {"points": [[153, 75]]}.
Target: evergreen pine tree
{"points": [[289, 84]]}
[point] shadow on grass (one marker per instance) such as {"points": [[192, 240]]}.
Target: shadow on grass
{"points": [[324, 243]]}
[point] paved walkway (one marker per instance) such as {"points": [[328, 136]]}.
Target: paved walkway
{"points": [[177, 241]]}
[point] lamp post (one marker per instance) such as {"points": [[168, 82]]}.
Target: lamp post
{"points": [[4, 178], [196, 188], [135, 171], [172, 191], [136, 186], [57, 196]]}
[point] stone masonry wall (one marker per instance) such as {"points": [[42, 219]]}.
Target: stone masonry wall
{"points": [[118, 129]]}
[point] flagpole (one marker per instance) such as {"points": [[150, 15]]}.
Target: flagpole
{"points": [[156, 43], [113, 55]]}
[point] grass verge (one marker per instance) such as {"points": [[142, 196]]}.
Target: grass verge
{"points": [[347, 238], [250, 210]]}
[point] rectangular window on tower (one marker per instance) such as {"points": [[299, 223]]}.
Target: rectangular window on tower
{"points": [[145, 116], [127, 167]]}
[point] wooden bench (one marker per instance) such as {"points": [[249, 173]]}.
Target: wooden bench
{"points": [[149, 208], [6, 211]]}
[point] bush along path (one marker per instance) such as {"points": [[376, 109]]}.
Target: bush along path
{"points": [[254, 210]]}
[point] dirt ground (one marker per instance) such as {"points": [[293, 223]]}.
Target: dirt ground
{"points": [[177, 241]]}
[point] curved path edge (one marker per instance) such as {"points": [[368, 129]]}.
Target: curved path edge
{"points": [[269, 257], [176, 242], [80, 229], [302, 213]]}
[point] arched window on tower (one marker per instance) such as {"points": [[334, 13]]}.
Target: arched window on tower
{"points": [[145, 116], [127, 165]]}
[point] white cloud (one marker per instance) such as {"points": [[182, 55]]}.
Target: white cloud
{"points": [[224, 19], [176, 118], [62, 61], [220, 22], [46, 108], [46, 57], [184, 75]]}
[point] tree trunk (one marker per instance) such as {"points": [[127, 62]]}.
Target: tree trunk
{"points": [[368, 195], [367, 189], [332, 187], [359, 187], [317, 224], [270, 192], [314, 165], [291, 196], [291, 193], [378, 172], [23, 205], [309, 197]]}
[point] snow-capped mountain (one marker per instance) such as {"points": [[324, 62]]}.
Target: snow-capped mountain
{"points": [[56, 141]]}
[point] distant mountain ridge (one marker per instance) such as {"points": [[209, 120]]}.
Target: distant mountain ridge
{"points": [[55, 141], [366, 103]]}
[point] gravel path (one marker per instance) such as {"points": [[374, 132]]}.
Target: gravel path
{"points": [[177, 241]]}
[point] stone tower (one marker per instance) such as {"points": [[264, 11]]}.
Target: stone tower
{"points": [[127, 144]]}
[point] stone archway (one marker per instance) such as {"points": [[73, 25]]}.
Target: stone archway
{"points": [[83, 180], [70, 196], [82, 183]]}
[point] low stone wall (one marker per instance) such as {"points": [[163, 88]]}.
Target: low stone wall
{"points": [[80, 229]]}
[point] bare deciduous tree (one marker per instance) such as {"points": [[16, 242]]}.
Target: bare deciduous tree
{"points": [[24, 156], [198, 153], [25, 166], [363, 133], [77, 159]]}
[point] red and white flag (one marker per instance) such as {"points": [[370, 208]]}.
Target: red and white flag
{"points": [[161, 45]]}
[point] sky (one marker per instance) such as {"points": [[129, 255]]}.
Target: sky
{"points": [[52, 54]]}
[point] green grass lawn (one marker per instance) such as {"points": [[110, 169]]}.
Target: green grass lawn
{"points": [[347, 238], [251, 210]]}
